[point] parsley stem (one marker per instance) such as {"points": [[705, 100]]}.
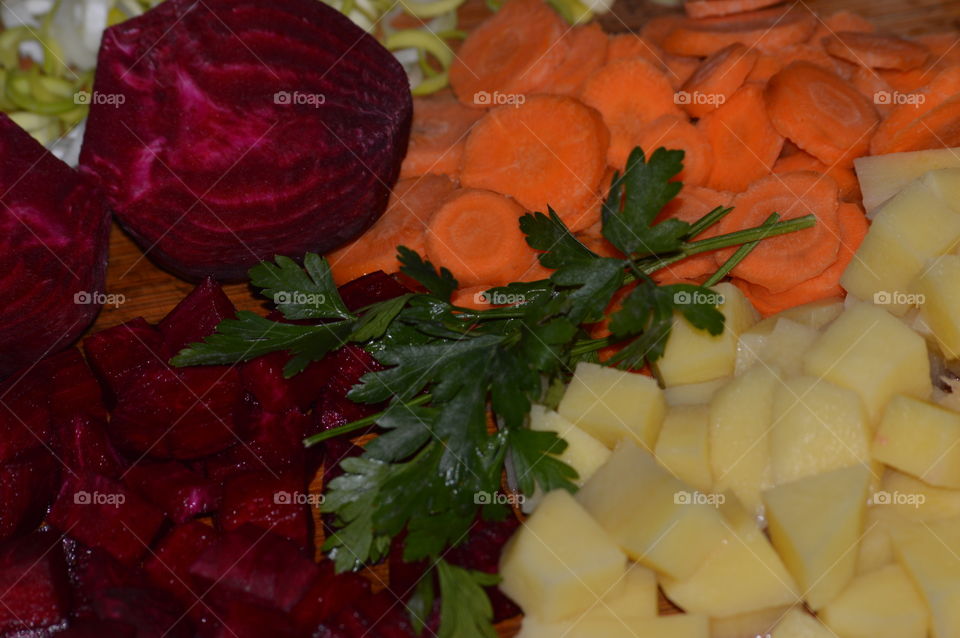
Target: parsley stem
{"points": [[708, 220], [359, 424], [589, 345], [738, 256]]}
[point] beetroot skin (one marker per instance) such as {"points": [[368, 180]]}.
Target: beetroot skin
{"points": [[243, 129], [53, 250]]}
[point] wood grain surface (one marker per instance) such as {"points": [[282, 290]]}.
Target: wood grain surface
{"points": [[150, 292]]}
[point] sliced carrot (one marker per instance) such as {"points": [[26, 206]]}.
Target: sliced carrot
{"points": [[680, 68], [821, 113], [826, 285], [675, 132], [876, 50], [628, 45], [944, 47], [549, 151], [720, 75], [942, 87], [657, 28], [908, 81], [937, 128], [590, 215], [817, 55], [767, 30], [780, 263], [689, 206], [766, 67], [713, 8], [745, 143], [412, 203], [510, 53], [629, 94], [439, 131], [845, 177], [586, 51], [842, 20], [872, 86], [476, 235]]}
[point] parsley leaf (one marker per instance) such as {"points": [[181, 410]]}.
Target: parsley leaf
{"points": [[465, 609], [300, 293], [440, 283]]}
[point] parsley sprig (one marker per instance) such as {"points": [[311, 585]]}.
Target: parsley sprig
{"points": [[447, 369]]}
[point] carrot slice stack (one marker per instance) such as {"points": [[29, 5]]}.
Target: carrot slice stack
{"points": [[675, 132], [437, 136]]}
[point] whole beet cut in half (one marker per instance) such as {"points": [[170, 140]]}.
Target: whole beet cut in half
{"points": [[226, 132], [53, 250]]}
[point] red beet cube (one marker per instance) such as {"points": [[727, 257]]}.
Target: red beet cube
{"points": [[326, 596], [27, 487], [83, 445], [180, 492], [274, 442], [120, 354], [240, 618], [168, 568], [279, 503], [34, 586], [152, 612], [370, 289], [25, 421], [263, 378], [95, 628], [196, 316]]}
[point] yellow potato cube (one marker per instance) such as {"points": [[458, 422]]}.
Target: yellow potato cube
{"points": [[928, 552], [883, 176], [740, 418], [777, 343], [693, 355], [694, 393], [749, 625], [817, 427], [874, 354], [939, 297], [612, 405], [881, 604], [560, 562], [657, 519], [683, 445], [922, 439], [816, 314], [815, 525], [913, 499], [876, 545], [799, 624], [677, 626], [744, 573]]}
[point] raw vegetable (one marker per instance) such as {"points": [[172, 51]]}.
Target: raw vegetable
{"points": [[768, 30], [876, 50], [249, 153]]}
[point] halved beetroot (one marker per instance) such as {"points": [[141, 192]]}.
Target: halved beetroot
{"points": [[247, 129], [180, 492], [53, 250], [34, 585]]}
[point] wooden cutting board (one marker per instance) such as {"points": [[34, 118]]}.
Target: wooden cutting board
{"points": [[150, 292]]}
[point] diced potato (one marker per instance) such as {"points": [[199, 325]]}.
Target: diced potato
{"points": [[883, 176], [749, 625], [744, 573], [638, 600], [913, 499], [874, 354], [561, 562], [876, 546], [677, 626], [928, 552], [612, 405], [815, 524], [683, 446], [922, 439], [694, 393], [940, 306], [816, 314], [817, 427], [653, 516], [780, 344], [693, 355], [583, 452], [881, 604], [799, 624], [740, 417]]}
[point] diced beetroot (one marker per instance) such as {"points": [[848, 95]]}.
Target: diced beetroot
{"points": [[370, 289], [184, 413], [95, 628], [34, 586], [327, 595], [263, 378], [92, 572], [260, 148], [120, 354], [278, 503], [27, 487], [273, 442], [168, 568], [101, 512], [25, 421], [196, 317], [240, 618], [334, 408], [73, 390], [53, 250], [481, 551], [180, 492], [263, 566], [82, 445], [385, 615], [152, 612]]}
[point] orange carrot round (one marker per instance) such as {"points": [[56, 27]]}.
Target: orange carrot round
{"points": [[767, 30], [675, 132], [476, 235], [657, 28], [766, 67], [941, 88], [548, 151], [845, 177], [613, 91], [937, 128], [876, 50], [680, 68], [713, 8], [629, 45], [821, 113], [780, 263], [720, 75], [412, 204], [437, 136], [944, 47], [586, 51], [745, 144], [842, 20]]}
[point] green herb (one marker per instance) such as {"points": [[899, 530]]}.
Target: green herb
{"points": [[447, 369]]}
